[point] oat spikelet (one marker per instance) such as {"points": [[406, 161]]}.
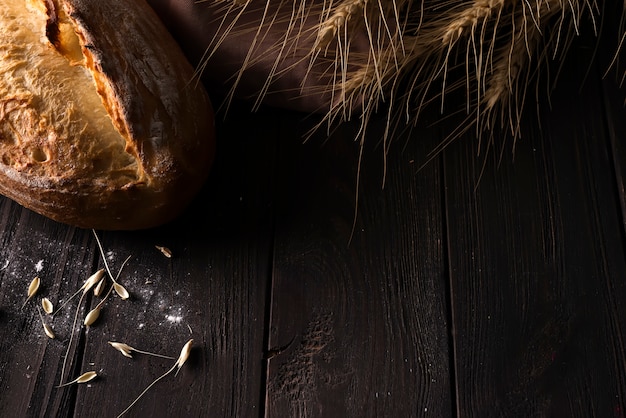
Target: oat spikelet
{"points": [[92, 316], [83, 378], [121, 291], [164, 250], [33, 287], [126, 350], [184, 355], [32, 290], [89, 283], [97, 291], [48, 330], [92, 280], [47, 306], [86, 377]]}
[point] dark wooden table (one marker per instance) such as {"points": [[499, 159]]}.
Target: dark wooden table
{"points": [[480, 285]]}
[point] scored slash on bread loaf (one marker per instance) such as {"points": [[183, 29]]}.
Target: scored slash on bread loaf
{"points": [[101, 123]]}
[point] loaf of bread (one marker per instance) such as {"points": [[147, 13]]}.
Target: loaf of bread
{"points": [[101, 123]]}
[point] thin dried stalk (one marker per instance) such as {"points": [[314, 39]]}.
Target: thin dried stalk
{"points": [[93, 315], [126, 350], [85, 288], [47, 329], [119, 289], [103, 255], [69, 345], [182, 358], [91, 280]]}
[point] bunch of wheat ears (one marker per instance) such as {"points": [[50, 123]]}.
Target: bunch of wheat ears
{"points": [[395, 56]]}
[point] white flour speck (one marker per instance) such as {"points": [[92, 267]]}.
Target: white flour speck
{"points": [[174, 318], [39, 266]]}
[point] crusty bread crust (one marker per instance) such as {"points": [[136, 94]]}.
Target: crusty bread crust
{"points": [[101, 123]]}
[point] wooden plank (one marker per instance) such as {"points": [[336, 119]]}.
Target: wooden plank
{"points": [[213, 290], [31, 362], [614, 94], [537, 264], [358, 328]]}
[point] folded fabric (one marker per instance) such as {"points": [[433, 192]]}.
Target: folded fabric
{"points": [[255, 50]]}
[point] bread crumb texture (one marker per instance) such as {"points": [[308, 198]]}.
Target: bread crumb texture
{"points": [[54, 126]]}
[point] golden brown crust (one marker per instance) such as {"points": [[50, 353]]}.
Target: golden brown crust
{"points": [[101, 125]]}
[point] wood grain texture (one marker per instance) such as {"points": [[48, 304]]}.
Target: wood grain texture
{"points": [[358, 328], [479, 286], [537, 264], [614, 95], [213, 290]]}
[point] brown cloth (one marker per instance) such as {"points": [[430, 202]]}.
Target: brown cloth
{"points": [[239, 47]]}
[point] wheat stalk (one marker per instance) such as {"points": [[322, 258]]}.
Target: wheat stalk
{"points": [[470, 18], [409, 48], [345, 13], [365, 57]]}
